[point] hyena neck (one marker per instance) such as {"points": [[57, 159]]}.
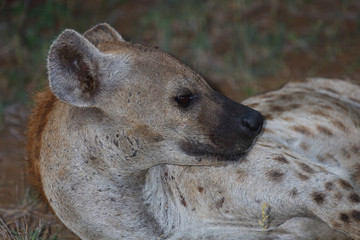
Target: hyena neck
{"points": [[159, 198], [102, 178], [124, 196]]}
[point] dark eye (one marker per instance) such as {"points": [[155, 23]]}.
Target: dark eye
{"points": [[185, 101]]}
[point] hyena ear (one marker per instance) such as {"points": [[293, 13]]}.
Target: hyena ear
{"points": [[103, 33], [73, 64]]}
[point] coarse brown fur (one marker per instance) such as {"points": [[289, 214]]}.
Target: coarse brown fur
{"points": [[44, 104]]}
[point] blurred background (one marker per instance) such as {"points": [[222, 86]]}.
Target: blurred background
{"points": [[242, 47]]}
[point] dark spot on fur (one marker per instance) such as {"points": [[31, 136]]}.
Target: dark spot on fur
{"points": [[294, 192], [253, 105], [355, 215], [302, 176], [147, 133], [289, 119], [355, 122], [322, 169], [268, 117], [340, 126], [275, 175], [338, 196], [331, 90], [355, 149], [355, 100], [200, 189], [158, 138], [318, 197], [116, 143], [220, 203], [294, 106], [112, 199], [324, 130], [285, 97], [353, 197], [268, 95], [345, 218], [302, 130], [281, 158], [182, 200], [344, 184], [276, 108], [267, 130], [340, 105], [329, 186], [335, 224], [304, 146], [320, 158], [193, 209], [305, 167], [327, 107], [241, 175], [320, 113]]}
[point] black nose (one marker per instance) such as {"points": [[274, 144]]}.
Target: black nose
{"points": [[252, 123]]}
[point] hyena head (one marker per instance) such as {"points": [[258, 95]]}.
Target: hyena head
{"points": [[168, 112]]}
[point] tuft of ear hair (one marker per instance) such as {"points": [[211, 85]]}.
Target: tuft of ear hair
{"points": [[103, 33], [72, 67]]}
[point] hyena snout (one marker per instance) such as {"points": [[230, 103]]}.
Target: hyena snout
{"points": [[238, 126]]}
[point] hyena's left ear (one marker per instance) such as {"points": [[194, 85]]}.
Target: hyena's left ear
{"points": [[103, 33]]}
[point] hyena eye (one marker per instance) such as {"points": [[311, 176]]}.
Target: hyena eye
{"points": [[185, 101]]}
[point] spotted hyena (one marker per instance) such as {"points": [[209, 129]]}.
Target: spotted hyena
{"points": [[129, 143]]}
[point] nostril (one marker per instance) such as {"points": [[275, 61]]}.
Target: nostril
{"points": [[253, 122], [249, 123]]}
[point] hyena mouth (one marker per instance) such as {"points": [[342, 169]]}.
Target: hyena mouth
{"points": [[206, 150]]}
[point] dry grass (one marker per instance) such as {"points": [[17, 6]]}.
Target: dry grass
{"points": [[33, 221], [27, 222]]}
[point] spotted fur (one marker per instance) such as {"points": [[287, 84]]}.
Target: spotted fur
{"points": [[119, 153]]}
